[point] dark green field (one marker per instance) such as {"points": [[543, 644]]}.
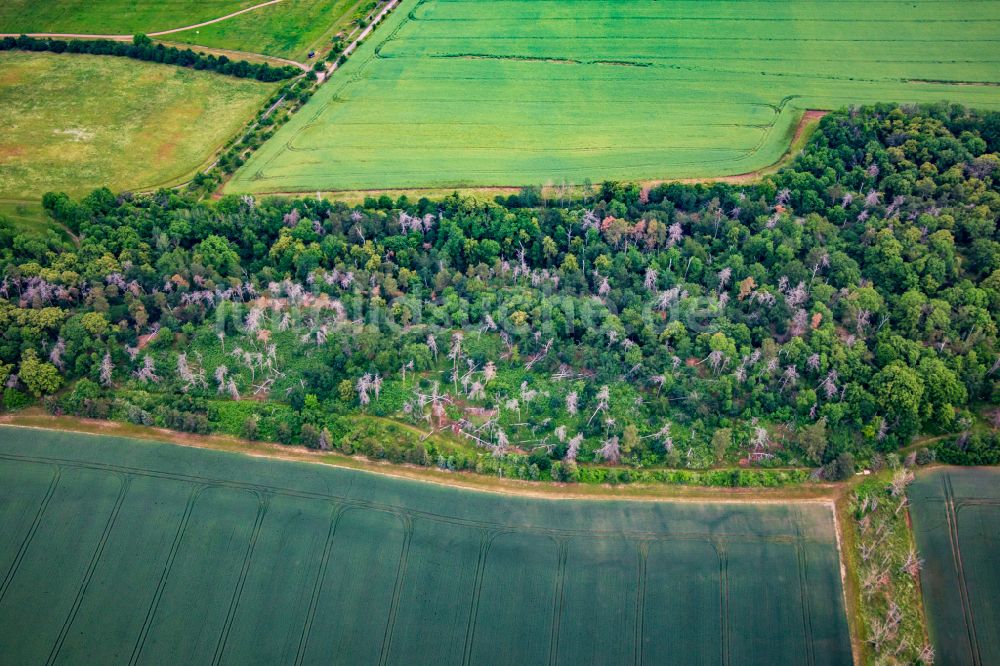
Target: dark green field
{"points": [[956, 522], [117, 551]]}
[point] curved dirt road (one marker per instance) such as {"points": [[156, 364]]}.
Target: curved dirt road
{"points": [[128, 38], [80, 35]]}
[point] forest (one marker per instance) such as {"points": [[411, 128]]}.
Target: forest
{"points": [[805, 325]]}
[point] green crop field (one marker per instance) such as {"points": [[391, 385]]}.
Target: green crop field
{"points": [[111, 16], [114, 551], [956, 523], [288, 29], [77, 122], [517, 92]]}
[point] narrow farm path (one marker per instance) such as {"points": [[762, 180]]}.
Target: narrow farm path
{"points": [[335, 65], [79, 35], [215, 20], [127, 38]]}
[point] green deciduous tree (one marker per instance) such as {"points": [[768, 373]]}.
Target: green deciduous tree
{"points": [[40, 378]]}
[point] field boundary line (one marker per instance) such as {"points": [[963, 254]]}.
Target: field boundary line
{"points": [[342, 462], [43, 505], [215, 20], [397, 589], [720, 549], [337, 512], [956, 553], [485, 542], [558, 599], [126, 483], [642, 552], [807, 627], [147, 623], [335, 65], [409, 514], [263, 503]]}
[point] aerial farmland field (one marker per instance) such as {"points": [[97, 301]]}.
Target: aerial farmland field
{"points": [[466, 93], [78, 122], [114, 551], [282, 28], [111, 16], [287, 29], [956, 523]]}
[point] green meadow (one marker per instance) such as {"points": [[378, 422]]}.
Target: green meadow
{"points": [[289, 29], [74, 123], [115, 551], [512, 92], [286, 29]]}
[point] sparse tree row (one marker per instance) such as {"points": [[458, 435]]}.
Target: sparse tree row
{"points": [[143, 48], [888, 568], [819, 319]]}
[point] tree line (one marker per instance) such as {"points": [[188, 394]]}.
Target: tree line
{"points": [[143, 48], [816, 320]]}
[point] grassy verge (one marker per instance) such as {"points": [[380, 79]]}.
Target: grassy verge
{"points": [[79, 122], [36, 418], [111, 16], [26, 216], [884, 601], [288, 29]]}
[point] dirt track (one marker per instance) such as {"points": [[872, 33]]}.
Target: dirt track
{"points": [[160, 33], [813, 493], [80, 35]]}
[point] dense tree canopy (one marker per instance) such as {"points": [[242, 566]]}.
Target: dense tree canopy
{"points": [[819, 317]]}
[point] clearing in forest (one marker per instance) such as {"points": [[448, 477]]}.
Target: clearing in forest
{"points": [[74, 123], [956, 524], [521, 92], [115, 550]]}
